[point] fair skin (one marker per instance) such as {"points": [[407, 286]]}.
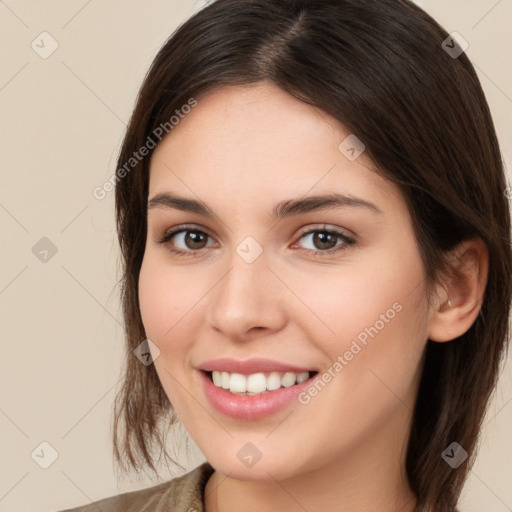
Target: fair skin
{"points": [[241, 151]]}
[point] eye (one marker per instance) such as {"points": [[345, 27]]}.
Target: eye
{"points": [[192, 240], [326, 240]]}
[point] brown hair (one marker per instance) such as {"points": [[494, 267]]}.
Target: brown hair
{"points": [[379, 67]]}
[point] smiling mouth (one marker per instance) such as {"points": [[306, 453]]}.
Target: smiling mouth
{"points": [[257, 383]]}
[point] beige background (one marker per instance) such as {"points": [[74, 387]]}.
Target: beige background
{"points": [[62, 121]]}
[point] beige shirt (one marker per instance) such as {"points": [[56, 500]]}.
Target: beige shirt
{"points": [[181, 494]]}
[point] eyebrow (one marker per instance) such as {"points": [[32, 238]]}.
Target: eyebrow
{"points": [[283, 209]]}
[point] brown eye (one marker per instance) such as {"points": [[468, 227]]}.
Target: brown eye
{"points": [[185, 240], [194, 239], [326, 241]]}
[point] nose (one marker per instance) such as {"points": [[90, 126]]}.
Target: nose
{"points": [[248, 301]]}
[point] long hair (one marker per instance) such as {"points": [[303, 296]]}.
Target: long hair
{"points": [[384, 70]]}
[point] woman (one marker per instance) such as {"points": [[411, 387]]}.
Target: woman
{"points": [[317, 278]]}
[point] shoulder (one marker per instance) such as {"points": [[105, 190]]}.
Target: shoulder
{"points": [[177, 495]]}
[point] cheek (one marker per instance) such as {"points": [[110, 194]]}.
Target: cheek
{"points": [[165, 296], [172, 306], [391, 335], [152, 300], [375, 318], [167, 311], [362, 298]]}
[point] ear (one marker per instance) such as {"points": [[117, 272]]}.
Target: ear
{"points": [[459, 296]]}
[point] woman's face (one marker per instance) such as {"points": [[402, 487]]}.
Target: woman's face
{"points": [[336, 288]]}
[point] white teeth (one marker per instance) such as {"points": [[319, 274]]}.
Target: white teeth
{"points": [[288, 379], [256, 382], [217, 379], [237, 383], [224, 380], [302, 377], [274, 381]]}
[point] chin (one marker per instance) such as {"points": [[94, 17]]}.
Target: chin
{"points": [[244, 461]]}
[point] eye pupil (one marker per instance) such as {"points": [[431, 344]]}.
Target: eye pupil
{"points": [[323, 237], [193, 237]]}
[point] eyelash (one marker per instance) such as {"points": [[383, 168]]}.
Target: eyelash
{"points": [[167, 236]]}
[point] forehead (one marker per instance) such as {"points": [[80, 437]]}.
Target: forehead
{"points": [[256, 118], [240, 142]]}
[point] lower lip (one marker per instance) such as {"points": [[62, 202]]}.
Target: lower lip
{"points": [[251, 407]]}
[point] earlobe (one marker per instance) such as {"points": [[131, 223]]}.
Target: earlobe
{"points": [[461, 293]]}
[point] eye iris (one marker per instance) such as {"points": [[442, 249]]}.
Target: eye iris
{"points": [[322, 238], [193, 237]]}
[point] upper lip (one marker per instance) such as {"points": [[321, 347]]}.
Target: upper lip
{"points": [[249, 366]]}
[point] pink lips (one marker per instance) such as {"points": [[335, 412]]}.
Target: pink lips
{"points": [[249, 366], [251, 407]]}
